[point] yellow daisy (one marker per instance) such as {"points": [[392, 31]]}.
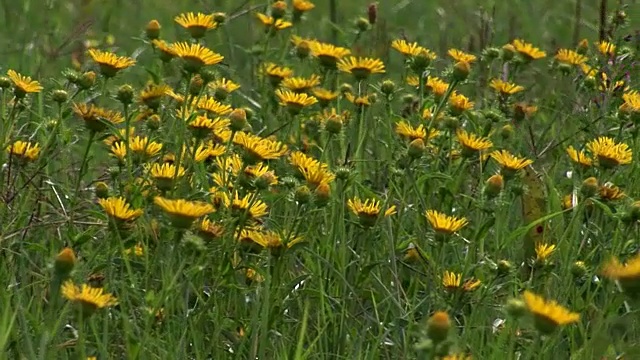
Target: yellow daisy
{"points": [[183, 212], [459, 103], [509, 162], [195, 56], [110, 63], [23, 150], [528, 51], [295, 102], [118, 209], [444, 224], [548, 314], [461, 56], [301, 84], [272, 24], [406, 48], [196, 24], [90, 299], [327, 54], [505, 88], [361, 68], [570, 57], [23, 84], [628, 274], [609, 153], [472, 143], [259, 149], [579, 157], [368, 210]]}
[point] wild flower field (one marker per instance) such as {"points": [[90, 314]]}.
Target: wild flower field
{"points": [[290, 180]]}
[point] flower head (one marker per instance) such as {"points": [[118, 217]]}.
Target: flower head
{"points": [[328, 54], [606, 48], [544, 252], [444, 224], [528, 51], [509, 162], [548, 314], [406, 48], [259, 149], [96, 118], [183, 212], [459, 103], [24, 151], [609, 153], [110, 63], [628, 274], [579, 157], [90, 299], [570, 57], [361, 68], [453, 282], [118, 209], [505, 88], [295, 102], [195, 55], [472, 143], [301, 84], [23, 84], [272, 24], [249, 206], [196, 24], [368, 210], [461, 56]]}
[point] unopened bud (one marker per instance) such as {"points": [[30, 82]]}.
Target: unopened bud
{"points": [[153, 30], [438, 326], [589, 187], [494, 185], [64, 262]]}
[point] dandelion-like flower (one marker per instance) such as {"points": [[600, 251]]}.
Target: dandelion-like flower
{"points": [[544, 252], [119, 210], [505, 88], [406, 48], [164, 175], [196, 24], [109, 63], [23, 84], [361, 68], [272, 24], [570, 57], [166, 50], [144, 148], [627, 274], [461, 56], [436, 86], [328, 54], [196, 56], [459, 103], [183, 212], [24, 151], [222, 88], [509, 162], [609, 153], [90, 299], [610, 192], [324, 96], [579, 157], [249, 206], [301, 84], [631, 104], [96, 118], [528, 51], [273, 241], [295, 102], [606, 48], [276, 73], [368, 210], [259, 149], [210, 230], [152, 94], [453, 282], [444, 224], [548, 314], [472, 143]]}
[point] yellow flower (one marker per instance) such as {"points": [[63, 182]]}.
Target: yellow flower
{"points": [[570, 57], [459, 103], [272, 241], [248, 205], [301, 84], [210, 230], [295, 102], [461, 56], [359, 101], [196, 24], [24, 150], [361, 68], [509, 162], [579, 157], [368, 210], [631, 102], [548, 314], [213, 107], [166, 51], [302, 6], [259, 149], [110, 63], [452, 282], [610, 153], [137, 250], [183, 212], [222, 88], [153, 93], [523, 110], [472, 143], [407, 131], [406, 48], [437, 86], [195, 56], [528, 51], [606, 48], [164, 175], [457, 357], [444, 224], [505, 88], [327, 54], [270, 23], [201, 126], [90, 299], [610, 192], [324, 96], [118, 209], [628, 274], [96, 118], [23, 84], [544, 251], [143, 147], [276, 73]]}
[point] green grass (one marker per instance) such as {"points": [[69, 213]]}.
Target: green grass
{"points": [[359, 287]]}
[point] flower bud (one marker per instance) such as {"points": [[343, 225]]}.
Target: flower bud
{"points": [[323, 194], [494, 185], [583, 47], [388, 87], [579, 269], [302, 194], [59, 96], [153, 30], [5, 82], [461, 71], [207, 76], [125, 94], [361, 24], [416, 148], [589, 187], [346, 88], [516, 308], [634, 210], [101, 190], [219, 17], [278, 9], [64, 262], [87, 80], [504, 267], [508, 52], [238, 119], [491, 53], [343, 173], [506, 132], [196, 85], [438, 326], [153, 122]]}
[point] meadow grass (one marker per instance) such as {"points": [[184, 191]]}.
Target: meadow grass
{"points": [[435, 204]]}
